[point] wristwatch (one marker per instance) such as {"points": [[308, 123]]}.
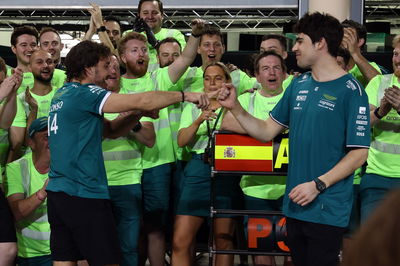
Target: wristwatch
{"points": [[101, 29], [320, 185]]}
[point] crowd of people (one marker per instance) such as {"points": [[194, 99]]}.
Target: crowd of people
{"points": [[105, 155]]}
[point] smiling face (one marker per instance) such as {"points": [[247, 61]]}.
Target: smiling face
{"points": [[211, 49], [136, 57], [151, 14], [114, 31], [24, 47], [115, 74], [102, 72], [270, 73], [305, 51], [214, 77], [42, 66], [51, 42], [167, 53]]}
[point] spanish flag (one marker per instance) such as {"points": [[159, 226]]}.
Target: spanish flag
{"points": [[235, 152]]}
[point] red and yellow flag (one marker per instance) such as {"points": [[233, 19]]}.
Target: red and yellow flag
{"points": [[235, 152]]}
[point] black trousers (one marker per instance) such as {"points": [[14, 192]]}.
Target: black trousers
{"points": [[313, 244]]}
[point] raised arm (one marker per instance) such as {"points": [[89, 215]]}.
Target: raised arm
{"points": [[257, 128], [350, 43], [179, 66], [8, 95]]}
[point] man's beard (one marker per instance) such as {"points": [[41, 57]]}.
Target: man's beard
{"points": [[44, 80], [133, 69]]}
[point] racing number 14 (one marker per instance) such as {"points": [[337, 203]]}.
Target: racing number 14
{"points": [[52, 126]]}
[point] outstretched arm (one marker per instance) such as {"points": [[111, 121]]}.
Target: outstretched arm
{"points": [[257, 128], [152, 100]]}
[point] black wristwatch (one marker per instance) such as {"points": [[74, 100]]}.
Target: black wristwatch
{"points": [[376, 113], [320, 185], [137, 128], [101, 29]]}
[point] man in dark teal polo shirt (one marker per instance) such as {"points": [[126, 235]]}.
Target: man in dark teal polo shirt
{"points": [[328, 116]]}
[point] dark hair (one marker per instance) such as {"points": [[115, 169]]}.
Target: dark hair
{"points": [[360, 29], [345, 54], [18, 31], [265, 54], [112, 18], [85, 54], [3, 66], [282, 39], [48, 29], [222, 66], [160, 5], [211, 31], [167, 40], [127, 37], [318, 26]]}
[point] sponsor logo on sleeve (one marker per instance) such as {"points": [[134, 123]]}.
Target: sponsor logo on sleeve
{"points": [[95, 89]]}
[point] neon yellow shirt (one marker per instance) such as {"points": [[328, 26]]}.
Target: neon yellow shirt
{"points": [[263, 187], [384, 153], [33, 232]]}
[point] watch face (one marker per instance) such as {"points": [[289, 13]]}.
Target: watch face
{"points": [[320, 185]]}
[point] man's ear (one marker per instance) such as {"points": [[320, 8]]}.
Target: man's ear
{"points": [[13, 49], [361, 42]]}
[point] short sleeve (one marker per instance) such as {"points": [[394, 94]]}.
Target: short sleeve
{"points": [[59, 78], [244, 100], [372, 90], [94, 98], [13, 181], [281, 111], [358, 120], [161, 79], [187, 116], [20, 116]]}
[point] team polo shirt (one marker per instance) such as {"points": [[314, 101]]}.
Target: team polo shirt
{"points": [[122, 157], [163, 151], [161, 35], [384, 154], [356, 72], [325, 120], [28, 81], [263, 187], [189, 115], [75, 135], [23, 107], [33, 232]]}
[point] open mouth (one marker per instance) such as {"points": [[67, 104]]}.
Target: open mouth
{"points": [[211, 56], [140, 62], [271, 80], [45, 71]]}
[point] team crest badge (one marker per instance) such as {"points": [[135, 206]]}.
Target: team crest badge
{"points": [[229, 152]]}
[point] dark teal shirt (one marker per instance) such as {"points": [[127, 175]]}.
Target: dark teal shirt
{"points": [[75, 135], [326, 120]]}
